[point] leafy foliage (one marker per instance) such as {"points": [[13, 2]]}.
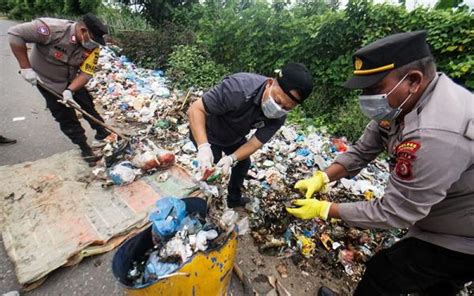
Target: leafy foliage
{"points": [[191, 66], [29, 9], [256, 36], [158, 11], [151, 49], [121, 18], [199, 42], [259, 37]]}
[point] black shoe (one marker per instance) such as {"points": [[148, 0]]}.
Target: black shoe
{"points": [[6, 141], [89, 156], [99, 139], [325, 291], [236, 203], [101, 135]]}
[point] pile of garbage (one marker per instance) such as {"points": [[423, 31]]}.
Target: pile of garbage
{"points": [[178, 233], [126, 92], [139, 97], [294, 155], [138, 100]]}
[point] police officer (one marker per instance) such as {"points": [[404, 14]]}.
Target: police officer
{"points": [[63, 58], [425, 122], [222, 119]]}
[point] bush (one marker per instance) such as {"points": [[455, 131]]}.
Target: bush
{"points": [[190, 66], [256, 36], [120, 18], [29, 9], [4, 6], [151, 49]]}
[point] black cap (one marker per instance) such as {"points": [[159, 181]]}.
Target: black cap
{"points": [[374, 61], [96, 27], [295, 76]]}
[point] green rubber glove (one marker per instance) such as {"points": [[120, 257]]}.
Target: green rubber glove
{"points": [[314, 184], [310, 208]]}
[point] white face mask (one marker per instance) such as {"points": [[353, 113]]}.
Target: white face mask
{"points": [[377, 108], [271, 109]]}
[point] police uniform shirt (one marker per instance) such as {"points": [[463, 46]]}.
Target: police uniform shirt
{"points": [[56, 55], [233, 108], [431, 185]]}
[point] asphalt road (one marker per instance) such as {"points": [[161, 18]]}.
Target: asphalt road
{"points": [[38, 136]]}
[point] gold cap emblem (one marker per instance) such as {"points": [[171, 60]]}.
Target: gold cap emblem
{"points": [[358, 63]]}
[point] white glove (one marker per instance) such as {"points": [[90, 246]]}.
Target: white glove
{"points": [[68, 99], [205, 156], [226, 163], [29, 75]]}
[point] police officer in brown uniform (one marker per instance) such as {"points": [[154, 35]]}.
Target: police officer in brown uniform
{"points": [[425, 122], [63, 58]]}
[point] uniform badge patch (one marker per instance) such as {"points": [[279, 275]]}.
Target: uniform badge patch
{"points": [[408, 147], [43, 30], [358, 63], [405, 156]]}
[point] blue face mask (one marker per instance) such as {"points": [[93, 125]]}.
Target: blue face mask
{"points": [[377, 108]]}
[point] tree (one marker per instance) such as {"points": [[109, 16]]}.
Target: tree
{"points": [[448, 4], [158, 11]]}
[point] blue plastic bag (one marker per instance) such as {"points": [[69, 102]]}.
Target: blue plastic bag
{"points": [[167, 218], [155, 268]]}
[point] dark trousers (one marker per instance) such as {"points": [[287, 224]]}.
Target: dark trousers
{"points": [[67, 119], [415, 266], [239, 171]]}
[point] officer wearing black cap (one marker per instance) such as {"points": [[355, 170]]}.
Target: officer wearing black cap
{"points": [[63, 59], [222, 119], [425, 122]]}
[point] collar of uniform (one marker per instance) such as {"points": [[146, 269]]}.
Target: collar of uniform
{"points": [[72, 33], [425, 97], [258, 93], [411, 119]]}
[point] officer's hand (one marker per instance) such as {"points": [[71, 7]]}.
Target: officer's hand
{"points": [[314, 184], [205, 156], [68, 99], [310, 208], [29, 75], [226, 163]]}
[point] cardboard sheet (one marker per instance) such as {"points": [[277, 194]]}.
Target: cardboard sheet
{"points": [[52, 215]]}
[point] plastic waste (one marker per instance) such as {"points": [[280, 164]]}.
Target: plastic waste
{"points": [[229, 218], [166, 159], [167, 218], [190, 224], [155, 268], [123, 173], [189, 148], [340, 144], [305, 245], [177, 248], [243, 226], [199, 241], [146, 161]]}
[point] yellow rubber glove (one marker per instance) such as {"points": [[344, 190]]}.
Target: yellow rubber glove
{"points": [[314, 184], [310, 208]]}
